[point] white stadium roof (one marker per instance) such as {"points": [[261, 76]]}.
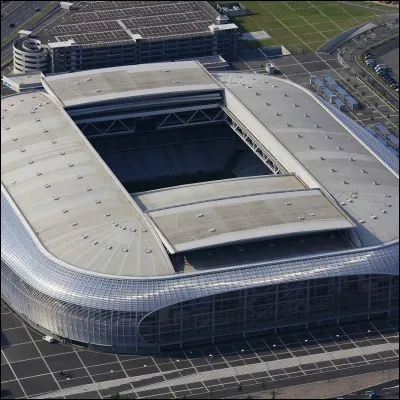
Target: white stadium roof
{"points": [[104, 84], [82, 215]]}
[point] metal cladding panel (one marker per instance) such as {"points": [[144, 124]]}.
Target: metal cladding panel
{"points": [[21, 254]]}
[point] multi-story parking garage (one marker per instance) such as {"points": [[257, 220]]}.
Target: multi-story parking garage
{"points": [[93, 34], [157, 205]]}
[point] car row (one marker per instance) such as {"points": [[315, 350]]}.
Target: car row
{"points": [[381, 70]]}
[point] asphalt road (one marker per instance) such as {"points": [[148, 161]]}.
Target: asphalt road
{"points": [[19, 14], [351, 53], [386, 390]]}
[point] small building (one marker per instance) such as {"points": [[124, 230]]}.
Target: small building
{"points": [[23, 82], [234, 9]]}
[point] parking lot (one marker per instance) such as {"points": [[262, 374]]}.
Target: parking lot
{"points": [[31, 367], [299, 67]]}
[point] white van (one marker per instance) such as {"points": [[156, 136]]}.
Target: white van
{"points": [[49, 339]]}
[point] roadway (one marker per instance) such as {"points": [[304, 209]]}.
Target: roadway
{"points": [[18, 12], [351, 52]]}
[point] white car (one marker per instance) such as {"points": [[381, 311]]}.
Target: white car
{"points": [[49, 339]]}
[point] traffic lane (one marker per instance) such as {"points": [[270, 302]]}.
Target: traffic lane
{"points": [[384, 389], [6, 53], [20, 15]]}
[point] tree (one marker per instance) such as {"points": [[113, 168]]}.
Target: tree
{"points": [[355, 86], [240, 388], [273, 394], [376, 104]]}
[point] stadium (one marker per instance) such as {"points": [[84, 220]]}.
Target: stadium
{"points": [[160, 206]]}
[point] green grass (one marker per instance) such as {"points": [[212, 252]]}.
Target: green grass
{"points": [[299, 24]]}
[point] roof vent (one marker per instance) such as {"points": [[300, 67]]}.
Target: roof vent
{"points": [[383, 211], [361, 221], [88, 79], [322, 158], [46, 185], [56, 198], [312, 214], [95, 242], [248, 87], [311, 147], [124, 228], [343, 203], [354, 192], [109, 247], [79, 176], [289, 125], [45, 130], [46, 102], [328, 137], [307, 115], [166, 70], [74, 223], [85, 236], [258, 94], [22, 150], [264, 81], [374, 216], [352, 159], [211, 230], [364, 171], [317, 126], [288, 203], [176, 81], [199, 215], [271, 244], [53, 141], [285, 95], [278, 114], [30, 162], [148, 251], [144, 230], [388, 205], [345, 182], [340, 148], [107, 214], [300, 136], [6, 128], [116, 224], [388, 195], [38, 173], [295, 105], [14, 182], [70, 165], [267, 104], [38, 120], [97, 201], [350, 200], [97, 90], [64, 210], [88, 189], [301, 218], [2, 117], [333, 170], [62, 153], [124, 250], [274, 85], [132, 230], [375, 182], [77, 83], [354, 196]]}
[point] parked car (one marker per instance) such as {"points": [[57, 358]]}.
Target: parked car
{"points": [[37, 9], [11, 25]]}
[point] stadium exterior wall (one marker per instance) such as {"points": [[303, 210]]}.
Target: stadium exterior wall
{"points": [[115, 314]]}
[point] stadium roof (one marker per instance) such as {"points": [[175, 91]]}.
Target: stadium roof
{"points": [[288, 115], [65, 191], [99, 23], [79, 212], [92, 86], [215, 213]]}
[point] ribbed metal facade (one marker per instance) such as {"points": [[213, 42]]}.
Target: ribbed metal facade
{"points": [[131, 315], [106, 311]]}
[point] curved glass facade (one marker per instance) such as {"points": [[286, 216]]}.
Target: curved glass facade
{"points": [[105, 311]]}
